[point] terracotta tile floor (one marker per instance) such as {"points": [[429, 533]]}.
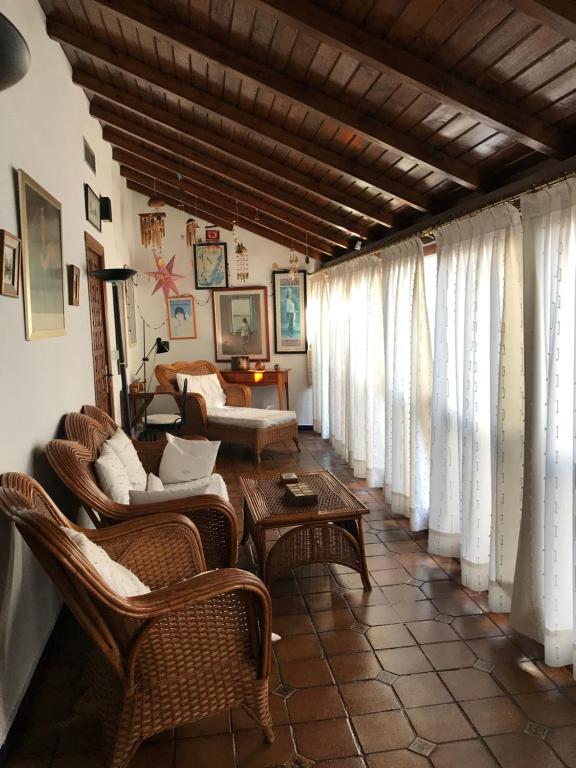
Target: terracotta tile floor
{"points": [[415, 674]]}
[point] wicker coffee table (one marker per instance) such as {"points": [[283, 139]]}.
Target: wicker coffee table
{"points": [[329, 532]]}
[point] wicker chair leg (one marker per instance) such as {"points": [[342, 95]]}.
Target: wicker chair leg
{"points": [[297, 444]]}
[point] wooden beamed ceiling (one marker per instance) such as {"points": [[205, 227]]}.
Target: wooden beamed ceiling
{"points": [[318, 123]]}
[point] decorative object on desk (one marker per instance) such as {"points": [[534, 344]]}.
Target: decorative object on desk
{"points": [[192, 228], [289, 312], [92, 207], [240, 363], [130, 311], [14, 54], [152, 228], [211, 265], [181, 312], [137, 386], [300, 495], [276, 367], [10, 264], [212, 235], [116, 277], [42, 263], [288, 477], [73, 273], [241, 323], [259, 366], [241, 251], [165, 277]]}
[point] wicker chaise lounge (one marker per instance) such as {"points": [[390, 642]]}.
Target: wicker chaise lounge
{"points": [[73, 461], [255, 428], [197, 644]]}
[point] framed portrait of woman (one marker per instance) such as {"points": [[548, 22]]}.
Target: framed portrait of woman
{"points": [[43, 269], [181, 317]]}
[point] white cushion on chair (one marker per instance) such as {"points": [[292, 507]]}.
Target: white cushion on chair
{"points": [[124, 449], [154, 483], [119, 578], [112, 475], [213, 485], [249, 418], [185, 460], [208, 386]]}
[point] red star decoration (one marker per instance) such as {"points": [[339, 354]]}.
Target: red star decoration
{"points": [[165, 278]]}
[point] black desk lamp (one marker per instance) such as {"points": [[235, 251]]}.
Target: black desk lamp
{"points": [[159, 347], [115, 277]]}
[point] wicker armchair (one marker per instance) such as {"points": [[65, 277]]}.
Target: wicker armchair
{"points": [[198, 422], [73, 460], [199, 643]]}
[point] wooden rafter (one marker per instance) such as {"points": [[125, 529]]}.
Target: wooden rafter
{"points": [[559, 15], [141, 158], [424, 75], [190, 93], [162, 26], [137, 170], [182, 203]]}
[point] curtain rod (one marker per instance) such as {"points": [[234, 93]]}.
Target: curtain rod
{"points": [[445, 219]]}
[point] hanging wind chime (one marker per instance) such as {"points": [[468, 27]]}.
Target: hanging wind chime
{"points": [[241, 252], [294, 262], [152, 223], [192, 228]]}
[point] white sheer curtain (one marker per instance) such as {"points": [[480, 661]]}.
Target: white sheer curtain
{"points": [[477, 406], [407, 382], [345, 334], [543, 605]]}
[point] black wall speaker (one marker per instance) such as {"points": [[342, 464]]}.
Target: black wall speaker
{"points": [[105, 209]]}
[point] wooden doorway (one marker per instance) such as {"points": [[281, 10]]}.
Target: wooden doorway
{"points": [[100, 350]]}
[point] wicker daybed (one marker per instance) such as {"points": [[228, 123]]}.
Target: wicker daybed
{"points": [[197, 644], [254, 428]]}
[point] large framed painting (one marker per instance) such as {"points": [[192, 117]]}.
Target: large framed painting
{"points": [[241, 323], [10, 260], [181, 312], [289, 312], [43, 269], [211, 265]]}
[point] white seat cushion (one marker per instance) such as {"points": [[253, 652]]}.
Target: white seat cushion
{"points": [[185, 460], [119, 578], [249, 418], [162, 419], [124, 449], [208, 386], [213, 485], [112, 475]]}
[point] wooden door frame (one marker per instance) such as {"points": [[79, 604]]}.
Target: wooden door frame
{"points": [[98, 248]]}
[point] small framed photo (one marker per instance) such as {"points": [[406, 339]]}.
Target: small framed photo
{"points": [[289, 312], [211, 265], [241, 323], [92, 206], [10, 264], [181, 312], [212, 235], [73, 285]]}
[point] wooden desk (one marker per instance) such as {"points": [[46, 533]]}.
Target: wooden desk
{"points": [[139, 401], [267, 378]]}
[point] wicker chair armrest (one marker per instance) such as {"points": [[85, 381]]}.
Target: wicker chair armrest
{"points": [[160, 550], [238, 394]]}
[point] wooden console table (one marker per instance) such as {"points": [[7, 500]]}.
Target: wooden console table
{"points": [[267, 378]]}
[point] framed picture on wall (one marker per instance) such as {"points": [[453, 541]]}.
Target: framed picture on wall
{"points": [[181, 312], [211, 265], [92, 206], [73, 285], [289, 312], [10, 264], [241, 323], [43, 269]]}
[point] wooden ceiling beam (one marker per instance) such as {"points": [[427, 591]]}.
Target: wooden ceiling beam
{"points": [[559, 15], [180, 203], [155, 179], [139, 140], [262, 76], [181, 89], [126, 151], [424, 75], [228, 147]]}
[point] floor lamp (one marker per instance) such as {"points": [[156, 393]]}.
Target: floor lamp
{"points": [[115, 277]]}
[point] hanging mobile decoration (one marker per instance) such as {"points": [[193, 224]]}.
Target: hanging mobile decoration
{"points": [[165, 277], [294, 262], [152, 224], [192, 228], [241, 252]]}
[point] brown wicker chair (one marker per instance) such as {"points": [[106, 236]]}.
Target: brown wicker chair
{"points": [[73, 460], [197, 420], [196, 645]]}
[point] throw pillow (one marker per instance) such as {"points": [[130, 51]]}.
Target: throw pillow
{"points": [[119, 578], [124, 448], [208, 386], [112, 475], [187, 459], [154, 483]]}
